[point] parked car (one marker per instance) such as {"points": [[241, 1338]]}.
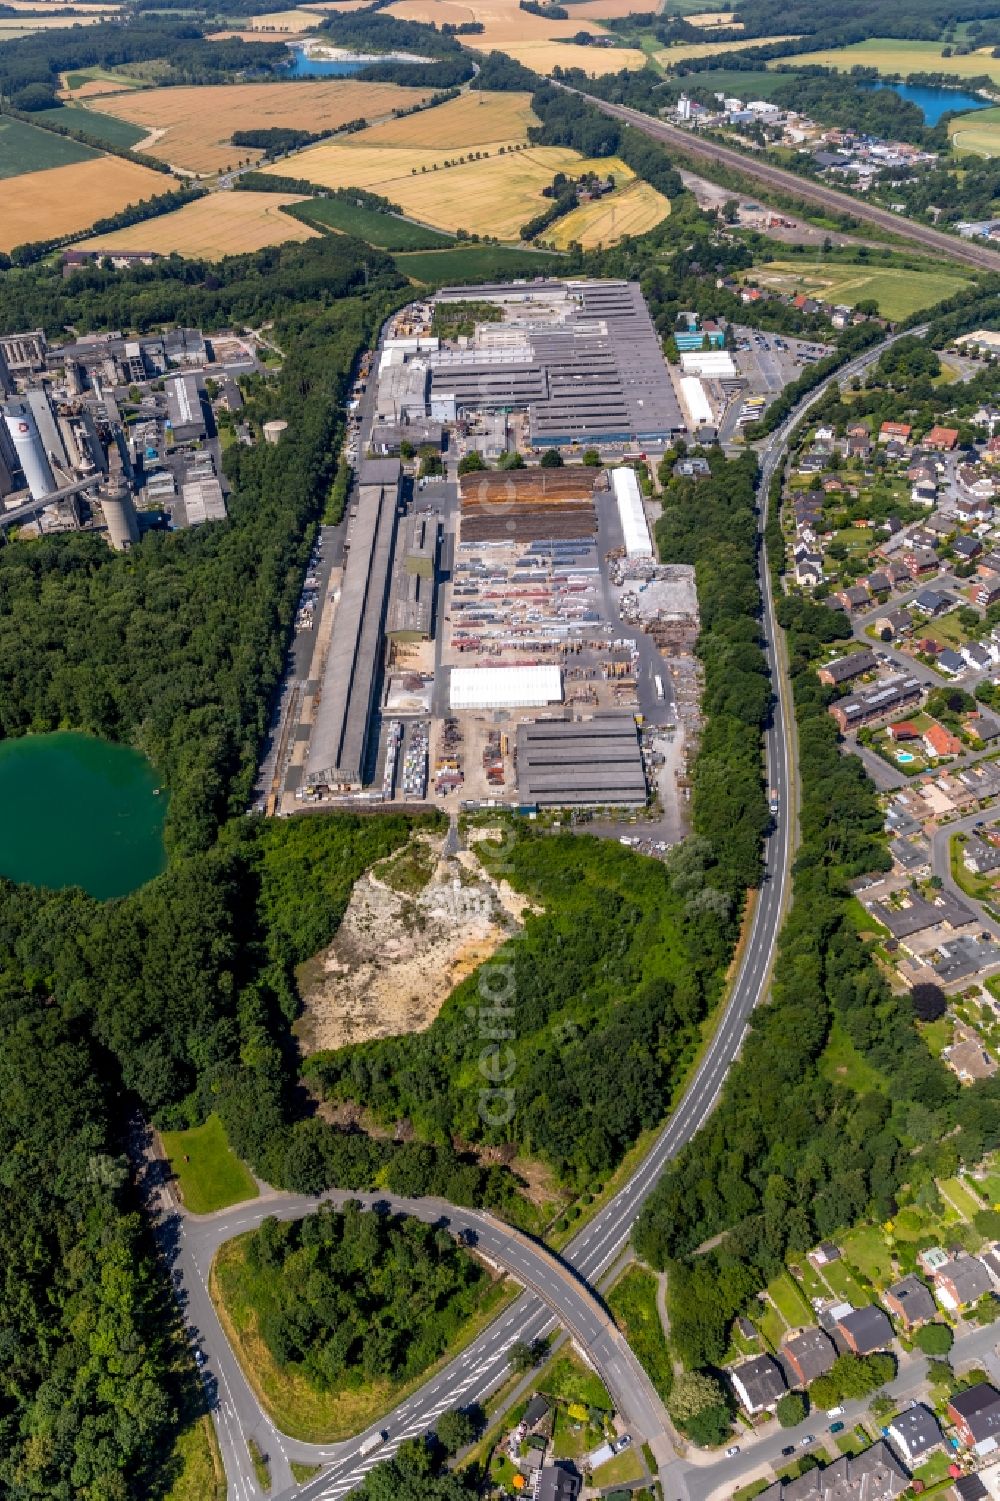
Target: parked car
{"points": [[732, 1451], [623, 1442], [804, 1443], [788, 1449], [836, 1427]]}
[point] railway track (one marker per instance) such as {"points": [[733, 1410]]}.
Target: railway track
{"points": [[980, 257]]}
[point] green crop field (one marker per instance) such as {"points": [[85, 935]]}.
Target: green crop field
{"points": [[386, 231], [890, 55], [25, 148], [731, 81], [120, 133], [476, 263]]}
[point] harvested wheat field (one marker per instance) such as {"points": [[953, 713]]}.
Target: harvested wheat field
{"points": [[494, 196], [470, 121], [612, 10], [707, 19], [64, 200], [218, 225], [538, 43], [631, 211], [190, 127]]}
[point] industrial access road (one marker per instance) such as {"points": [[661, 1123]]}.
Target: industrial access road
{"points": [[559, 1290], [981, 257]]}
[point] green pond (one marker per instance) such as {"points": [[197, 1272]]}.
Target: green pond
{"points": [[77, 811]]}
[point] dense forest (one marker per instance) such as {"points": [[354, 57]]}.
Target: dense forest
{"points": [[349, 1295], [606, 984]]}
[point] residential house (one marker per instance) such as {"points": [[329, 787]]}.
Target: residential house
{"points": [[915, 1434], [941, 439], [985, 594], [950, 662], [977, 656], [857, 447], [809, 570], [536, 1410], [967, 548], [824, 1253], [937, 527], [807, 1355], [880, 701], [854, 598], [974, 508], [878, 582], [981, 858], [900, 430], [924, 492], [938, 741], [897, 622], [961, 1282], [866, 1329], [873, 1475], [985, 729], [904, 730], [933, 602], [912, 856], [968, 1488], [758, 1383], [933, 1259], [557, 1483], [919, 914], [922, 470], [918, 561], [975, 483], [976, 1416], [910, 1300], [843, 669]]}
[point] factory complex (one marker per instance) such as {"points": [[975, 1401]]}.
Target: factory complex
{"points": [[486, 636], [116, 434]]}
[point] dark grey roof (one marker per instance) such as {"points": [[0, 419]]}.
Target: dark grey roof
{"points": [[535, 1411], [902, 922], [969, 1278], [868, 1327], [916, 1431], [557, 1484], [915, 1299], [970, 1488], [761, 1379], [874, 1475], [851, 666], [813, 1353], [379, 472], [979, 1406]]}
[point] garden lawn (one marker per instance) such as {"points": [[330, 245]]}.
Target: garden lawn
{"points": [[955, 1192], [844, 1283], [209, 1173], [789, 1300], [621, 1470], [866, 1249]]}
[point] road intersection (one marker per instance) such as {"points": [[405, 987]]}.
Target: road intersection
{"points": [[558, 1290]]}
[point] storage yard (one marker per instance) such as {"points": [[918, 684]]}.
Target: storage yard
{"points": [[504, 636]]}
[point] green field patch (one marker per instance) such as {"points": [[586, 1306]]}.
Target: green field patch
{"points": [[632, 1300], [841, 1063], [866, 1248], [789, 1300], [386, 231], [209, 1173], [83, 76], [621, 1470], [957, 1193], [120, 134], [977, 133], [891, 55], [471, 263], [845, 1284], [937, 1035], [25, 148], [897, 290]]}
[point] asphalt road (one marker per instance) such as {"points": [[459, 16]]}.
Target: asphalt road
{"points": [[559, 1291], [950, 246]]}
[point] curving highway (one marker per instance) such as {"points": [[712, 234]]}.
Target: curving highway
{"points": [[559, 1290], [981, 257]]}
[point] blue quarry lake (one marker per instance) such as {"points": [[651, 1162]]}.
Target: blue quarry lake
{"points": [[78, 811], [304, 66], [933, 102]]}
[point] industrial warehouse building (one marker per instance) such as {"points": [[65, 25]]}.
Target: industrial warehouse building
{"points": [[184, 409], [339, 741], [505, 687], [631, 513], [565, 764], [583, 358]]}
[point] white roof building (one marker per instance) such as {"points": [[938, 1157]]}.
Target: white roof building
{"points": [[713, 364], [635, 528], [697, 407], [505, 687]]}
